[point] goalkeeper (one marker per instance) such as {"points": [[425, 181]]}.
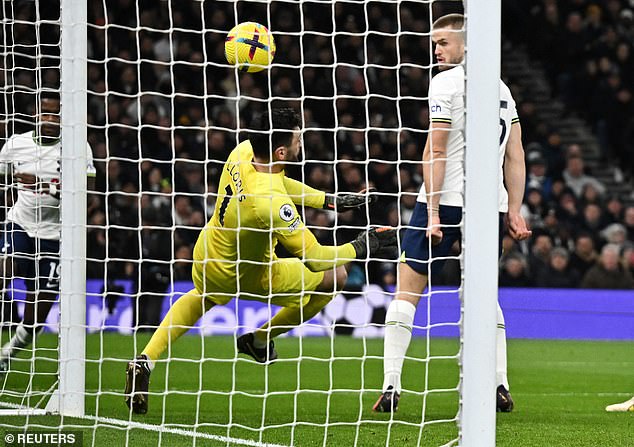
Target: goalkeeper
{"points": [[235, 252]]}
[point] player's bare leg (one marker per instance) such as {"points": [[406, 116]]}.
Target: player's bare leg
{"points": [[399, 320], [36, 310], [5, 275], [260, 345]]}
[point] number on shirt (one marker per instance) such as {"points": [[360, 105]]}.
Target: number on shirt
{"points": [[225, 203], [503, 105]]}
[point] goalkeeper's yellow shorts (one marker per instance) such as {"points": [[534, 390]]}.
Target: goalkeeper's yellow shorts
{"points": [[287, 282]]}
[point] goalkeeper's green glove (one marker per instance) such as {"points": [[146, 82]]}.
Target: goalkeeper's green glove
{"points": [[345, 202], [377, 243]]}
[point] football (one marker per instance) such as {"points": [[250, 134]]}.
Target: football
{"points": [[250, 46]]}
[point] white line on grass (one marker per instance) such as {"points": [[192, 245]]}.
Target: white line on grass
{"points": [[180, 431], [17, 410], [575, 394]]}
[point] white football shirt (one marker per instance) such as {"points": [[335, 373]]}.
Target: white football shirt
{"points": [[37, 211], [446, 105]]}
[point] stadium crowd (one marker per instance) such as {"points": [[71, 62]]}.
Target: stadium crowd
{"points": [[165, 110]]}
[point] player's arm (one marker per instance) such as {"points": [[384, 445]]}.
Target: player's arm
{"points": [[6, 168], [434, 163], [302, 243], [304, 195], [378, 243], [515, 181]]}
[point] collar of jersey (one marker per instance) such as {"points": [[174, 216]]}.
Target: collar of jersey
{"points": [[251, 163], [41, 143]]}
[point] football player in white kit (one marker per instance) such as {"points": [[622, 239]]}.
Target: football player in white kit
{"points": [[29, 244], [439, 206]]}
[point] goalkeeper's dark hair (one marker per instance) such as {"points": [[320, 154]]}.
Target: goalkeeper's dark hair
{"points": [[453, 21], [284, 121]]}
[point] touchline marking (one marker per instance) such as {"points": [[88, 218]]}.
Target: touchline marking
{"points": [[180, 431], [574, 394]]}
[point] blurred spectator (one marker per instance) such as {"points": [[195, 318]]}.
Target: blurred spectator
{"points": [[628, 219], [584, 255], [534, 208], [558, 274], [576, 178], [593, 220], [514, 272], [614, 211], [628, 257], [156, 253], [539, 258], [568, 209], [590, 195], [615, 234], [608, 272], [536, 177], [408, 202], [182, 268]]}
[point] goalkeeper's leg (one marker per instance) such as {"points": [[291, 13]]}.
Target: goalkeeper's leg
{"points": [[290, 317], [183, 314], [259, 344]]}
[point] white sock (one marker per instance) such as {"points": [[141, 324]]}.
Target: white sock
{"points": [[20, 340], [398, 333], [500, 342]]}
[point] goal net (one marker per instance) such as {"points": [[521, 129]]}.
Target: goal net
{"points": [[164, 110]]}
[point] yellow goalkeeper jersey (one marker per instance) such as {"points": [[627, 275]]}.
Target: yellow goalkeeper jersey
{"points": [[254, 211]]}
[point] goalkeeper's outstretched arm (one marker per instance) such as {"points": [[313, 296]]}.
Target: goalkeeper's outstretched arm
{"points": [[376, 243], [303, 195]]}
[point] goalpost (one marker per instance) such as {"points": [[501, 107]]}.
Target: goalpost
{"points": [[146, 82]]}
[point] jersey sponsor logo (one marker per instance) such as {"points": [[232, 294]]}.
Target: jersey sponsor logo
{"points": [[286, 212], [435, 108]]}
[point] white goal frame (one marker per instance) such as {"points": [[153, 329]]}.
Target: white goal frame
{"points": [[480, 231], [72, 297]]}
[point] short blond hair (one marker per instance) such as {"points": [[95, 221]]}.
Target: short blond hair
{"points": [[453, 21]]}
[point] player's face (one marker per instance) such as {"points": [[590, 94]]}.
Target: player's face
{"points": [[295, 148], [448, 47], [49, 118]]}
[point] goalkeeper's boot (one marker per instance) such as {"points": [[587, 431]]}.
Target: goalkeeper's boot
{"points": [[628, 405], [505, 402], [137, 382], [388, 401], [246, 346]]}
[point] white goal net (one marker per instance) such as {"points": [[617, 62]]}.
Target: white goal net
{"points": [[164, 111]]}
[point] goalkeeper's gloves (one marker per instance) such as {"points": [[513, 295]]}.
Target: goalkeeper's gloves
{"points": [[377, 243], [345, 202]]}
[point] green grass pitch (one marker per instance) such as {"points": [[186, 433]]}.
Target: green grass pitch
{"points": [[560, 389]]}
